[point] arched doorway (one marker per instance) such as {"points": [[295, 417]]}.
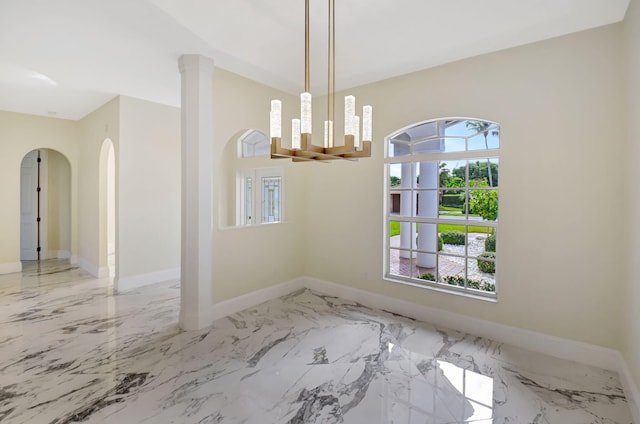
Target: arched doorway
{"points": [[107, 201], [45, 206]]}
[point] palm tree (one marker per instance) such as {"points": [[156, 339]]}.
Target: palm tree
{"points": [[483, 127]]}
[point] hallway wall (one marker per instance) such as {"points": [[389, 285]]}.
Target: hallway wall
{"points": [[94, 128], [631, 327], [149, 192], [19, 134], [59, 207]]}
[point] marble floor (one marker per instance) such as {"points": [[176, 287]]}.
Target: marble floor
{"points": [[70, 352]]}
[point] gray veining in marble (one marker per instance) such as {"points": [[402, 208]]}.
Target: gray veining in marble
{"points": [[70, 352]]}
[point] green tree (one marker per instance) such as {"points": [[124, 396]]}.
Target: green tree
{"points": [[394, 181], [483, 202], [483, 127], [478, 171], [445, 175]]}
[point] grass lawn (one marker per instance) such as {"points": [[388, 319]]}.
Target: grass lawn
{"points": [[394, 228]]}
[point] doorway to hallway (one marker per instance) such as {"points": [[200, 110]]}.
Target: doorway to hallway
{"points": [[45, 206]]}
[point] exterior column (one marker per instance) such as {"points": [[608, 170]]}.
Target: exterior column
{"points": [[428, 208], [407, 234], [196, 275]]}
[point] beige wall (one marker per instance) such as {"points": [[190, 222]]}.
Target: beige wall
{"points": [[250, 258], [20, 134], [59, 205], [148, 188], [560, 104], [94, 129], [631, 348]]}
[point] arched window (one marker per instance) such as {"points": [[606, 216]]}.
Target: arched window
{"points": [[259, 189], [442, 205], [253, 143]]}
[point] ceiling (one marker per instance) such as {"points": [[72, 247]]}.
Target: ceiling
{"points": [[65, 58]]}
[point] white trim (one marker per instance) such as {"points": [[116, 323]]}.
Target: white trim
{"points": [[58, 254], [86, 265], [103, 272], [64, 254], [240, 303], [630, 388], [135, 281], [10, 267]]}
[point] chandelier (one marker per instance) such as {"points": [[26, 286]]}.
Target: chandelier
{"points": [[302, 148]]}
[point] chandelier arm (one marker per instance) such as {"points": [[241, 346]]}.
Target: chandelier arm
{"points": [[307, 79], [333, 51]]}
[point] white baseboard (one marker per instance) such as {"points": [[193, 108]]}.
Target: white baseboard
{"points": [[63, 254], [86, 265], [240, 303], [10, 267], [58, 254], [135, 281]]}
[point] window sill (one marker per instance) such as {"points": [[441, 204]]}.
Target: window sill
{"points": [[240, 227], [442, 288]]}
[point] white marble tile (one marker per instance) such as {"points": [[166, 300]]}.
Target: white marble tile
{"points": [[72, 352]]}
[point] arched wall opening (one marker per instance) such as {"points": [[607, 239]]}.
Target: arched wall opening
{"points": [[48, 237], [107, 211]]}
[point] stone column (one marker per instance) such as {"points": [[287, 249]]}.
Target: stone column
{"points": [[197, 191], [428, 208], [407, 200]]}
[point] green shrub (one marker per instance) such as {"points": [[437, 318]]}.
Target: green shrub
{"points": [[453, 237], [453, 200], [490, 287], [428, 276], [440, 242], [487, 266], [454, 280], [490, 243], [457, 280]]}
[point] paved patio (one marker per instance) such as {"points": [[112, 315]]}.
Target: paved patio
{"points": [[447, 265]]}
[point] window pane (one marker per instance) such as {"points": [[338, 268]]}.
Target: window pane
{"points": [[479, 172], [271, 199], [488, 138], [427, 175], [426, 203], [395, 175], [495, 168], [453, 173], [451, 270], [454, 144], [248, 201], [398, 148], [427, 241], [400, 264], [402, 234], [483, 204], [452, 204], [454, 238]]}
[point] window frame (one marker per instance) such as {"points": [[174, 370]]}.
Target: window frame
{"points": [[415, 159]]}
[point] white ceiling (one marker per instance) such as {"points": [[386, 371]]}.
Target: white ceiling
{"points": [[65, 58]]}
